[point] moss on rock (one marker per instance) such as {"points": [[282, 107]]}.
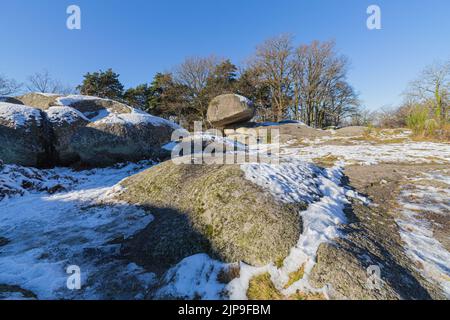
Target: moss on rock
{"points": [[209, 208]]}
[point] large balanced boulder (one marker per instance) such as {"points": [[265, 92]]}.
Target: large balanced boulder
{"points": [[25, 136], [230, 109], [208, 209]]}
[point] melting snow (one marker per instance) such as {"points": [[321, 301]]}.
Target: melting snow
{"points": [[244, 99], [74, 98], [19, 115], [417, 231], [136, 117], [320, 224], [412, 152], [47, 233], [64, 115], [292, 181], [194, 277]]}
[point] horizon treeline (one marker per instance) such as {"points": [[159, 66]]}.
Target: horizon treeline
{"points": [[304, 82]]}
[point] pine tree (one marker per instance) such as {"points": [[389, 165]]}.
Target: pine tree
{"points": [[138, 97], [103, 84]]}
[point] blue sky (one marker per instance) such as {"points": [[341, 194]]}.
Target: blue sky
{"points": [[138, 38]]}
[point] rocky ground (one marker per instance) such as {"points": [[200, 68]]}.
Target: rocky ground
{"points": [[346, 214]]}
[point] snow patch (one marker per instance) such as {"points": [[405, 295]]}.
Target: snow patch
{"points": [[417, 232], [194, 277], [19, 115], [321, 223], [63, 115], [415, 152], [136, 117], [75, 98], [82, 226], [244, 100]]}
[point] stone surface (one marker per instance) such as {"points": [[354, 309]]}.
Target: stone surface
{"points": [[229, 109], [208, 208]]}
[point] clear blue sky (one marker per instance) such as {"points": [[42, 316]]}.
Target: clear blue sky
{"points": [[138, 38]]}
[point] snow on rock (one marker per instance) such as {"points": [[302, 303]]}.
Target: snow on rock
{"points": [[48, 232], [292, 181], [17, 180], [18, 115], [136, 117], [108, 116], [321, 221], [46, 94], [244, 99], [193, 278], [64, 115], [75, 98]]}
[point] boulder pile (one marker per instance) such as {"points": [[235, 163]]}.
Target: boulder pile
{"points": [[44, 130]]}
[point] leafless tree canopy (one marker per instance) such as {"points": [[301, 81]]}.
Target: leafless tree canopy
{"points": [[273, 62], [195, 71], [193, 75], [432, 87], [306, 83], [8, 86], [43, 82]]}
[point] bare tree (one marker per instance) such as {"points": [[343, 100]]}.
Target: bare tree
{"points": [[43, 82], [193, 74], [273, 63], [8, 86], [321, 91], [433, 85]]}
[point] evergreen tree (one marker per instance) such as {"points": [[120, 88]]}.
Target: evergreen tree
{"points": [[222, 80], [103, 84], [138, 97]]}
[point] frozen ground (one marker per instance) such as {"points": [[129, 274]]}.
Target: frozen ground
{"points": [[425, 208], [51, 219], [367, 154], [46, 233], [289, 182]]}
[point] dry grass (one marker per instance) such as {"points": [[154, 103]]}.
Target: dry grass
{"points": [[326, 161], [377, 141], [295, 276], [307, 296], [441, 134], [262, 288]]}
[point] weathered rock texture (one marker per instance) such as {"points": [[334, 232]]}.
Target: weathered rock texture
{"points": [[39, 100], [25, 136], [229, 109], [208, 208], [102, 144], [67, 130]]}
